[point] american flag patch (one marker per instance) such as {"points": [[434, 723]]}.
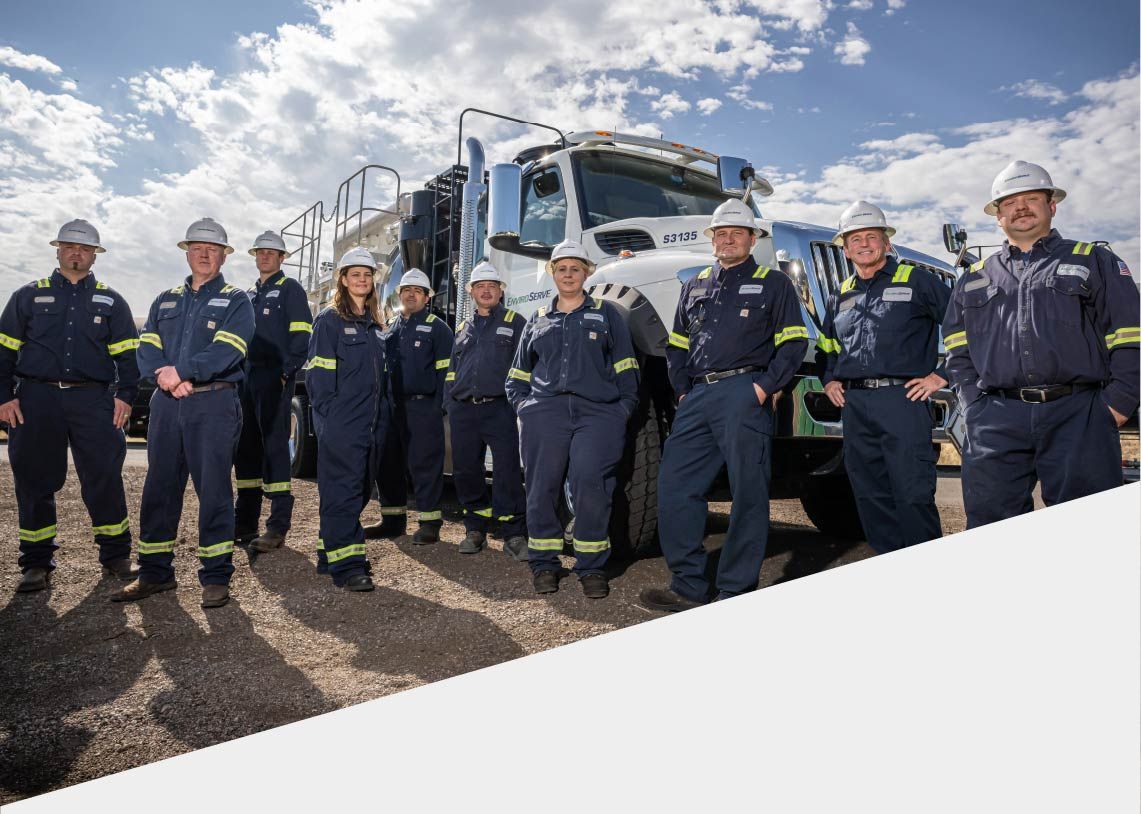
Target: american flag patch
{"points": [[1123, 268]]}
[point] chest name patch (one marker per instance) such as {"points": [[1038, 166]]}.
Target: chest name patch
{"points": [[424, 328], [349, 329], [597, 317], [1068, 270], [897, 294], [45, 299], [274, 293], [162, 305], [982, 281], [103, 299], [218, 302], [849, 303], [751, 288], [505, 331]]}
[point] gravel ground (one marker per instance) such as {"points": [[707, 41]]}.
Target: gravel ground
{"points": [[92, 687]]}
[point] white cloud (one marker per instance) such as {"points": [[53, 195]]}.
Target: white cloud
{"points": [[670, 104], [923, 180], [853, 48], [1036, 89], [27, 62], [860, 5], [740, 95], [894, 5], [708, 106]]}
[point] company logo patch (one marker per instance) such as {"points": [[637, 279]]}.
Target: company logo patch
{"points": [[218, 302], [103, 299], [505, 331], [98, 320], [167, 305], [1067, 270], [45, 299], [850, 303], [211, 324], [897, 294], [424, 328], [751, 289], [265, 312], [350, 330], [273, 293], [597, 317]]}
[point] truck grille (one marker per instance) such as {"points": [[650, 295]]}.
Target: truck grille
{"points": [[634, 240], [831, 266]]}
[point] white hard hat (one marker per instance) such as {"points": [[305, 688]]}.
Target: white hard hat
{"points": [[415, 277], [734, 212], [78, 231], [357, 256], [861, 215], [570, 248], [485, 272], [1021, 176], [269, 240], [206, 230]]}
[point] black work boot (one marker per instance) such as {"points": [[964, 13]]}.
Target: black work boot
{"points": [[427, 533], [359, 583], [663, 599], [120, 569], [269, 541], [594, 586], [34, 579], [389, 527], [474, 542], [516, 548], [243, 537], [215, 596], [141, 590], [546, 582]]}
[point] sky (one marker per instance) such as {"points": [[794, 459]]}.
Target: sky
{"points": [[144, 117]]}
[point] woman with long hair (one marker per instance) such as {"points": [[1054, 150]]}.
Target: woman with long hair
{"points": [[574, 385], [348, 388]]}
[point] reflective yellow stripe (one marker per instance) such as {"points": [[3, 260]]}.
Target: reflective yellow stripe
{"points": [[300, 327], [10, 342], [451, 377], [1083, 248], [545, 543], [978, 266], [389, 511], [705, 272], [321, 361], [442, 364], [509, 316], [231, 339], [272, 488], [152, 339], [177, 289], [249, 483], [791, 332], [590, 546], [762, 272], [119, 347], [44, 283], [430, 318], [848, 284], [37, 535], [521, 375], [344, 552], [1123, 336], [955, 340], [156, 548], [102, 286], [216, 550], [433, 515], [679, 341], [503, 518], [280, 282], [902, 273], [320, 544], [480, 512], [828, 345], [629, 363], [113, 529]]}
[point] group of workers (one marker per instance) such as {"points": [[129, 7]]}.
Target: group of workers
{"points": [[1042, 351]]}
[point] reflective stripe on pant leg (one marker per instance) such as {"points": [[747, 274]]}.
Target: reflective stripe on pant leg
{"points": [[426, 457], [595, 450], [343, 484], [468, 464], [508, 501], [545, 443], [212, 424], [99, 450], [248, 467], [37, 452], [163, 489], [274, 415]]}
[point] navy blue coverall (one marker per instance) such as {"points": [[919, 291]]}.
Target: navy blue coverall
{"points": [[281, 340], [746, 318], [879, 334], [349, 392], [574, 385], [204, 334], [420, 346], [480, 417], [1038, 343], [54, 333]]}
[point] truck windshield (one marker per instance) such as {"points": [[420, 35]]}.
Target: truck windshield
{"points": [[616, 186]]}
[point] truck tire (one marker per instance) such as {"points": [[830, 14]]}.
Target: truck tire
{"points": [[634, 513], [302, 441], [831, 506]]}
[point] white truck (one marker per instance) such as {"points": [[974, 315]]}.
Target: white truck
{"points": [[639, 205]]}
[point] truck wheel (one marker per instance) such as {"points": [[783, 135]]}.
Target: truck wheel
{"points": [[831, 506], [634, 514], [302, 441]]}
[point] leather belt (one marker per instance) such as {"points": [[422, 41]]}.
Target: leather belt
{"points": [[70, 385], [481, 399], [1041, 395], [418, 397], [873, 384], [710, 378], [206, 388]]}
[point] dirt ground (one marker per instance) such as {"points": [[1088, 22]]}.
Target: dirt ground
{"points": [[92, 687]]}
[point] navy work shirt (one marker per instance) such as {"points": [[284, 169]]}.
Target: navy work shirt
{"points": [[483, 352], [422, 345], [726, 319], [347, 368], [1062, 313], [887, 326], [587, 352], [203, 333], [56, 330], [283, 324]]}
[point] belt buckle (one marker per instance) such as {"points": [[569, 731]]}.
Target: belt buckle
{"points": [[871, 384], [64, 385], [1024, 394]]}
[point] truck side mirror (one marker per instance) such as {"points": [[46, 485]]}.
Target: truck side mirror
{"points": [[505, 212], [954, 237], [735, 175]]}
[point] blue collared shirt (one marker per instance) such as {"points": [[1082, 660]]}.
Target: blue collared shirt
{"points": [[282, 324], [482, 355]]}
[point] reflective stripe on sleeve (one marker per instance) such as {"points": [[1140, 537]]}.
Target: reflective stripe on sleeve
{"points": [[679, 341], [300, 327], [828, 345], [521, 375], [442, 364], [789, 333], [1123, 336], [10, 342], [322, 362], [231, 339], [151, 339], [955, 340], [115, 348], [629, 363]]}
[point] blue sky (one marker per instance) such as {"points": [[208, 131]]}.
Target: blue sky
{"points": [[143, 117]]}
